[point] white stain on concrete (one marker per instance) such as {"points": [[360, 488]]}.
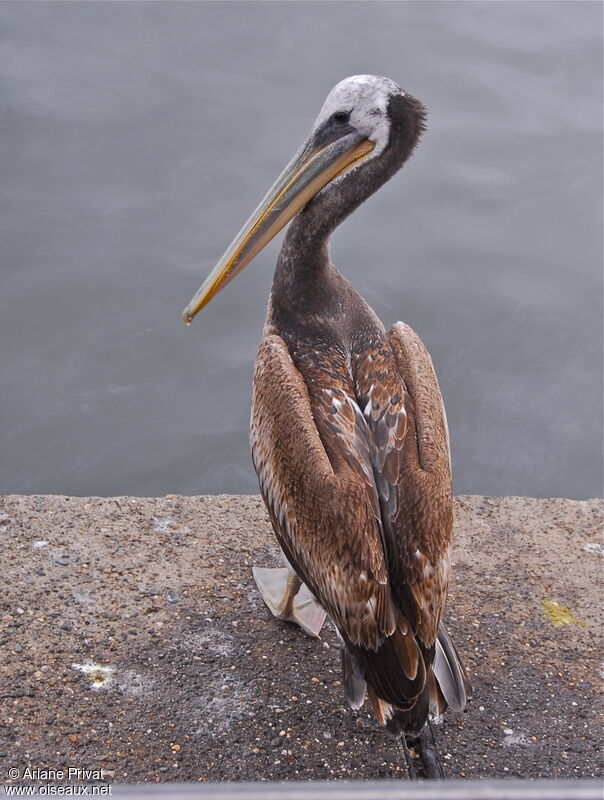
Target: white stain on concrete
{"points": [[513, 739], [169, 525], [100, 675]]}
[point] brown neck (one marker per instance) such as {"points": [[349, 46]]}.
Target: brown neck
{"points": [[306, 284]]}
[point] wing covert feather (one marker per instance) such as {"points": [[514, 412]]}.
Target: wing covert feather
{"points": [[423, 522], [353, 463], [322, 514]]}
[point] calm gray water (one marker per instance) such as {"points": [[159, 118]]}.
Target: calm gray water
{"points": [[136, 138]]}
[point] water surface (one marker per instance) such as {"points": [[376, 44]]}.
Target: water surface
{"points": [[136, 138]]}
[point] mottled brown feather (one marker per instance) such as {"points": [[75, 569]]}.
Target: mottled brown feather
{"points": [[351, 452], [319, 505]]}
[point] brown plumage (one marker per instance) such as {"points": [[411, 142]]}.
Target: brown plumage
{"points": [[352, 459], [348, 431]]}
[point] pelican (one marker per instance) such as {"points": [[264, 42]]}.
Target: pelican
{"points": [[348, 430]]}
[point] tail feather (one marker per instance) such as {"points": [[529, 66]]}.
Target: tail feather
{"points": [[411, 721], [396, 671], [438, 704], [383, 711], [402, 684], [353, 679], [450, 672]]}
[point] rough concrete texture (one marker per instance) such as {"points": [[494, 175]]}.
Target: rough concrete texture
{"points": [[201, 683]]}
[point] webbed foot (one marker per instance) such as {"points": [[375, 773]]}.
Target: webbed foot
{"points": [[289, 599]]}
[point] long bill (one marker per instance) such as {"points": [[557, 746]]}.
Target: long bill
{"points": [[308, 172]]}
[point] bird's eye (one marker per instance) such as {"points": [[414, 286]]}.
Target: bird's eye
{"points": [[341, 117]]}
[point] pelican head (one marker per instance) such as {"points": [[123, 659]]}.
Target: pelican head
{"points": [[354, 128], [361, 102]]}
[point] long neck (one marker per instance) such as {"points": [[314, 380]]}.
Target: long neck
{"points": [[304, 266]]}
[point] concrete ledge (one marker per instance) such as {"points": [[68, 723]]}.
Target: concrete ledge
{"points": [[132, 641]]}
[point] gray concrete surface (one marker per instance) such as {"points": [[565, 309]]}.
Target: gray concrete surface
{"points": [[133, 641]]}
